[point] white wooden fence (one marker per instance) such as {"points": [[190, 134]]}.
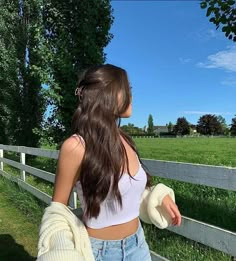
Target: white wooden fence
{"points": [[213, 176]]}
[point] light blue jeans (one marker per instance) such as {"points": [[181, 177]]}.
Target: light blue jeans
{"points": [[131, 248]]}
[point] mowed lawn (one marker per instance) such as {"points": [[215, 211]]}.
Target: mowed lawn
{"points": [[210, 151], [20, 218], [18, 234]]}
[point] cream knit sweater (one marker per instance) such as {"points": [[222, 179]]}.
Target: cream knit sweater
{"points": [[151, 211], [64, 237]]}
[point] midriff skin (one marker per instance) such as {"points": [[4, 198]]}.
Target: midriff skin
{"points": [[115, 232]]}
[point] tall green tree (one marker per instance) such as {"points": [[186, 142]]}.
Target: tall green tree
{"points": [[182, 127], [50, 42], [233, 127], [150, 128], [26, 106], [223, 14], [224, 127], [8, 68], [170, 127], [76, 34], [30, 101], [209, 124]]}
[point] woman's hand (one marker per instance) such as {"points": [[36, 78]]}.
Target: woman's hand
{"points": [[172, 209]]}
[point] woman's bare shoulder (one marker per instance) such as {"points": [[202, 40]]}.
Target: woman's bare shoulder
{"points": [[68, 166], [73, 146]]}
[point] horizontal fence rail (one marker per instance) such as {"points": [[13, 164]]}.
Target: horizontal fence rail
{"points": [[36, 192], [34, 171], [209, 235], [52, 154], [213, 176]]}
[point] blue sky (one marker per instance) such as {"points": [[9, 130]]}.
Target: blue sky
{"points": [[178, 64]]}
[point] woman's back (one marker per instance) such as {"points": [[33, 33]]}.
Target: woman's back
{"points": [[131, 189]]}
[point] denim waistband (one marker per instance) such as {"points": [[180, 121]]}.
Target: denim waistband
{"points": [[127, 241]]}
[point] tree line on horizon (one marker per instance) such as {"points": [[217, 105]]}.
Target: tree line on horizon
{"points": [[208, 124]]}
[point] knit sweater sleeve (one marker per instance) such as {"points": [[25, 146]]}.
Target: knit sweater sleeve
{"points": [[151, 211], [62, 236]]}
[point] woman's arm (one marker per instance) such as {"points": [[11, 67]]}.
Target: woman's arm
{"points": [[68, 166], [172, 210]]}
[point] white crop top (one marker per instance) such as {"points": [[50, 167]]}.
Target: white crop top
{"points": [[110, 211]]}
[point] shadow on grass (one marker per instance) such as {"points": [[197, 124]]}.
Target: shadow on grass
{"points": [[11, 251], [214, 214]]}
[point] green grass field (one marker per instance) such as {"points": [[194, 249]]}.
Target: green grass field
{"points": [[214, 206], [210, 151], [211, 205], [20, 217]]}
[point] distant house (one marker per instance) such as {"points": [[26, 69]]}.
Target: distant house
{"points": [[160, 129], [194, 128]]}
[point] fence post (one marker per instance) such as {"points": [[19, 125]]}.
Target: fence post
{"points": [[22, 161], [1, 156]]}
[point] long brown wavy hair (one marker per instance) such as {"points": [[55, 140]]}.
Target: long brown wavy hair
{"points": [[97, 119]]}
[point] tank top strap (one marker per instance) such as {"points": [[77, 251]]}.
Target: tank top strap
{"points": [[138, 159], [79, 138]]}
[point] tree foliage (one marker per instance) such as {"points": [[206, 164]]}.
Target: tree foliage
{"points": [[31, 65], [223, 14], [8, 66], [170, 127], [182, 127], [76, 33], [46, 42], [209, 124], [224, 127], [132, 130], [233, 127], [21, 89], [150, 128]]}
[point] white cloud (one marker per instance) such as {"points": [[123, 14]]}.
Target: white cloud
{"points": [[207, 112], [205, 35], [213, 33], [184, 60], [230, 82], [223, 60]]}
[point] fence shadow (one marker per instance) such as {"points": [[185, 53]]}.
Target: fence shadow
{"points": [[11, 251], [211, 213]]}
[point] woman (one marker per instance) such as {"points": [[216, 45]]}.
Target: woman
{"points": [[101, 160]]}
